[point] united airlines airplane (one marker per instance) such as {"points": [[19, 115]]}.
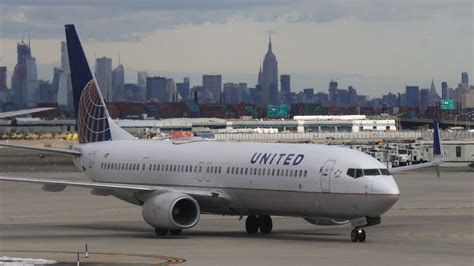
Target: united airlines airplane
{"points": [[177, 181]]}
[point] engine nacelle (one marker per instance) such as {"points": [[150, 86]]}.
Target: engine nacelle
{"points": [[325, 221], [171, 211]]}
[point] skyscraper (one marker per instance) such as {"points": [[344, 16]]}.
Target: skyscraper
{"points": [[103, 74], [232, 93], [285, 87], [270, 76], [212, 85], [118, 80], [63, 85], [413, 96], [141, 78], [183, 88], [446, 92], [465, 79], [25, 82], [156, 89], [3, 78], [433, 96], [333, 93]]}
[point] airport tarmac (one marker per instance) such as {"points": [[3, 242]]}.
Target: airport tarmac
{"points": [[431, 224]]}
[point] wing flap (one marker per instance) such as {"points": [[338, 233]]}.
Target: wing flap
{"points": [[104, 188]]}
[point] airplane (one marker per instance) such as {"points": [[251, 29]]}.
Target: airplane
{"points": [[176, 182]]}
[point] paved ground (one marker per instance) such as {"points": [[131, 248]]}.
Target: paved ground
{"points": [[431, 224]]}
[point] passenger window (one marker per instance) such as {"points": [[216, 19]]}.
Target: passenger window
{"points": [[305, 173], [220, 169], [301, 173], [228, 169], [286, 172], [278, 172], [273, 172]]}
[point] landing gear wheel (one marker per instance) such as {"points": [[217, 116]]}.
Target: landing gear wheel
{"points": [[361, 235], [266, 224], [251, 224], [175, 232], [161, 232], [354, 235], [358, 235]]}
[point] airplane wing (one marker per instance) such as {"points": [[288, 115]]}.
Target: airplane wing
{"points": [[437, 158], [24, 112], [67, 152], [105, 188]]}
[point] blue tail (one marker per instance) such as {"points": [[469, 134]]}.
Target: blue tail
{"points": [[92, 118], [436, 140]]}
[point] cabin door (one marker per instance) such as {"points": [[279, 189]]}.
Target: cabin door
{"points": [[326, 171]]}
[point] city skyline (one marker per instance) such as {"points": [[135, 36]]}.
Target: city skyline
{"points": [[374, 54]]}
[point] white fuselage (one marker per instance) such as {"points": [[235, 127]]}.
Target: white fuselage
{"points": [[276, 179]]}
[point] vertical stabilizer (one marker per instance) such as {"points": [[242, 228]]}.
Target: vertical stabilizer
{"points": [[92, 118]]}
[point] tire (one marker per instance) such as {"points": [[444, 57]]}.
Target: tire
{"points": [[266, 224], [161, 232], [175, 232], [251, 224], [354, 236], [362, 236]]}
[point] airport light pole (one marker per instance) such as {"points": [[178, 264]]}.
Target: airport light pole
{"points": [[399, 116]]}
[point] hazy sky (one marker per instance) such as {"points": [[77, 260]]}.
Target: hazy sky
{"points": [[376, 46]]}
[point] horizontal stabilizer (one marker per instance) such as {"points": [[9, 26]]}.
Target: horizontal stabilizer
{"points": [[66, 152]]}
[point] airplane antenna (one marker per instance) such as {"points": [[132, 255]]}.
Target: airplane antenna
{"points": [[29, 40], [23, 36], [119, 57]]}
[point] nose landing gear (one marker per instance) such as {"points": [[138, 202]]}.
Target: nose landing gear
{"points": [[358, 234]]}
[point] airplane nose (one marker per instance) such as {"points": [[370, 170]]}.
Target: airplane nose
{"points": [[385, 185]]}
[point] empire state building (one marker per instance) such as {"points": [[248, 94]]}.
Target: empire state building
{"points": [[268, 77]]}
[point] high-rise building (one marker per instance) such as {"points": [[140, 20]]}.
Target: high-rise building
{"points": [[3, 78], [333, 93], [352, 95], [156, 89], [103, 74], [183, 88], [63, 86], [64, 57], [25, 82], [232, 93], [270, 76], [424, 100], [141, 79], [433, 96], [212, 85], [412, 96], [465, 79], [285, 87], [118, 80], [446, 92]]}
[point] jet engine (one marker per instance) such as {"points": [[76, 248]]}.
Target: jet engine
{"points": [[325, 221], [171, 210]]}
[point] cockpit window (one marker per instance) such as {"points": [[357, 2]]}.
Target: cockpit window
{"points": [[371, 172], [384, 171], [355, 173]]}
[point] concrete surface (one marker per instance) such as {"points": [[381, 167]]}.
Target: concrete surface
{"points": [[431, 224]]}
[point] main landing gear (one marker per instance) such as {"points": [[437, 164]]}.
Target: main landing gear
{"points": [[164, 232], [262, 222], [358, 234]]}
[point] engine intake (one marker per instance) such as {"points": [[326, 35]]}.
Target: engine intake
{"points": [[171, 211]]}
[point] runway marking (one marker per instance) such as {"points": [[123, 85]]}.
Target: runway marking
{"points": [[167, 259]]}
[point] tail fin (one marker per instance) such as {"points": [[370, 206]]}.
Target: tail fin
{"points": [[92, 118]]}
